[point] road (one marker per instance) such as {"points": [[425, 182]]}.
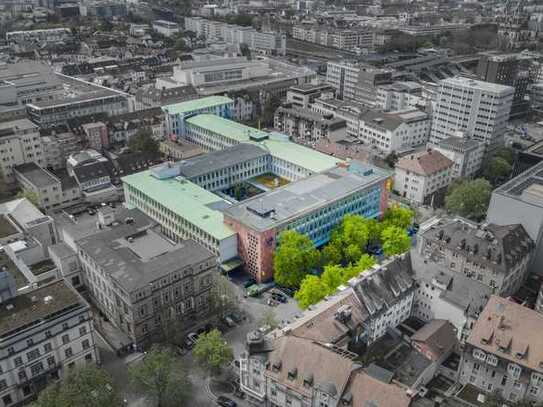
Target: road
{"points": [[254, 309]]}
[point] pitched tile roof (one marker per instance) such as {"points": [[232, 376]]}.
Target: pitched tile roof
{"points": [[425, 162]]}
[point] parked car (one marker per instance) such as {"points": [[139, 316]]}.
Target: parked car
{"points": [[191, 339], [236, 317], [229, 321], [278, 295], [249, 283], [286, 290], [226, 402]]}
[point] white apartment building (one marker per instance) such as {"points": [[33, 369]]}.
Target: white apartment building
{"points": [[466, 154], [166, 28], [479, 109], [385, 133], [418, 177], [344, 78], [399, 96], [44, 333], [266, 42], [20, 143]]}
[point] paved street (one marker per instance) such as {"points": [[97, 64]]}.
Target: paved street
{"points": [[254, 309]]}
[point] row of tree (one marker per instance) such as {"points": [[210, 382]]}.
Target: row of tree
{"points": [[297, 262], [159, 377]]}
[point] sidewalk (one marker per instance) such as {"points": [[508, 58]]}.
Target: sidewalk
{"points": [[112, 335]]}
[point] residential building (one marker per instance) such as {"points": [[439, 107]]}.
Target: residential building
{"points": [[467, 155], [312, 206], [45, 333], [520, 200], [166, 28], [39, 36], [496, 256], [177, 113], [155, 96], [478, 109], [212, 30], [423, 177], [502, 354], [142, 280], [387, 132], [58, 144], [347, 39], [52, 191], [20, 143], [304, 95], [96, 135], [306, 126]]}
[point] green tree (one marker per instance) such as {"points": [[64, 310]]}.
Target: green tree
{"points": [[222, 297], [506, 153], [295, 257], [180, 44], [212, 352], [332, 278], [391, 159], [496, 170], [89, 387], [331, 254], [143, 141], [269, 319], [160, 378], [311, 291], [399, 216], [395, 240], [30, 195], [469, 198], [364, 263]]}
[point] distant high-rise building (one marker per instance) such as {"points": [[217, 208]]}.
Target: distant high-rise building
{"points": [[479, 109], [355, 81], [511, 70]]}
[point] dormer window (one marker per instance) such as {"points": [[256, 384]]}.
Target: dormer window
{"points": [[276, 366], [292, 374], [308, 380]]}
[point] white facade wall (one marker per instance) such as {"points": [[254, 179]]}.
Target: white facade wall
{"points": [[416, 187]]}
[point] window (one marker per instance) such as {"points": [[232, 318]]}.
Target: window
{"points": [[85, 344], [18, 361], [47, 347], [3, 384], [88, 357], [51, 361], [29, 342], [33, 354], [22, 375], [65, 339], [83, 330], [36, 369], [68, 352], [7, 399]]}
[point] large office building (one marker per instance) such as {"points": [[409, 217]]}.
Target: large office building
{"points": [[356, 81], [43, 333], [478, 109], [312, 206], [140, 279]]}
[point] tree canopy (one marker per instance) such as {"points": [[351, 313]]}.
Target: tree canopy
{"points": [[311, 291], [469, 198], [295, 257], [212, 352], [88, 386], [497, 169], [395, 240], [399, 216], [143, 141], [160, 378]]}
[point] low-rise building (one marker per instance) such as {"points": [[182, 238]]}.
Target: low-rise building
{"points": [[44, 333], [423, 177], [304, 95], [179, 149], [466, 154], [306, 126], [400, 96], [142, 281], [50, 190], [166, 28], [503, 353]]}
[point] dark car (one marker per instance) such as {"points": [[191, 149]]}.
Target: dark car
{"points": [[278, 295], [249, 283], [226, 402]]}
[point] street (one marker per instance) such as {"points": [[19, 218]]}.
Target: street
{"points": [[202, 395]]}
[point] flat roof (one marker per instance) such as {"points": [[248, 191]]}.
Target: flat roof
{"points": [[521, 187], [186, 199], [273, 208], [277, 144], [36, 175], [137, 254], [217, 160], [474, 83], [38, 306], [196, 104], [20, 279]]}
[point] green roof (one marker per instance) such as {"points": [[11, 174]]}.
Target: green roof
{"points": [[228, 128], [185, 199], [196, 104], [278, 145]]}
